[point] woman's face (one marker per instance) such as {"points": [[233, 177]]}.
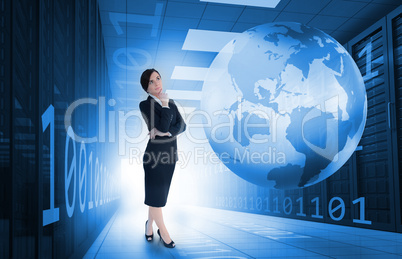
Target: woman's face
{"points": [[155, 84]]}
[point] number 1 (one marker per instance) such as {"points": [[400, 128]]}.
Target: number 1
{"points": [[51, 215], [369, 74]]}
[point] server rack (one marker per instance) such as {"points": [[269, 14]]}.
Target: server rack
{"points": [[374, 175], [394, 30], [51, 54]]}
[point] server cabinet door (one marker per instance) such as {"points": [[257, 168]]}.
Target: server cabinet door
{"points": [[374, 176], [394, 26]]}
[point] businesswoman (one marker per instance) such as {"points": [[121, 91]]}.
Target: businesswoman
{"points": [[164, 123]]}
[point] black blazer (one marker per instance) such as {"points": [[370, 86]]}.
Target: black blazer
{"points": [[165, 120]]}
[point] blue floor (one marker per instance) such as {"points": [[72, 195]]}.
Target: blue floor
{"points": [[213, 233]]}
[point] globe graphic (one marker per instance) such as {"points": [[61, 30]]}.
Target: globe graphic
{"points": [[285, 105]]}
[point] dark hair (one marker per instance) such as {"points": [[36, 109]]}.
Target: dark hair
{"points": [[145, 77]]}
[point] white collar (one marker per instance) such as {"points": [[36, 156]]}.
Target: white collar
{"points": [[156, 99]]}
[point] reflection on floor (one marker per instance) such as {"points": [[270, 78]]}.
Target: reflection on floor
{"points": [[212, 233]]}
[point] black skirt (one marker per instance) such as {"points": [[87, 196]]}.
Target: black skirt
{"points": [[159, 162], [157, 184]]}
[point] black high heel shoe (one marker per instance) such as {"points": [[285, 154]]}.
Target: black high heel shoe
{"points": [[149, 238], [170, 245]]}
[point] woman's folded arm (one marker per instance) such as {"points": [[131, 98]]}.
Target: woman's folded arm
{"points": [[153, 120], [179, 126]]}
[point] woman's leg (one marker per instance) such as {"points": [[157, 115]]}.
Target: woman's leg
{"points": [[155, 213], [150, 222]]}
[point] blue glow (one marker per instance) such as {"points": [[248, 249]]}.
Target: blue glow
{"points": [[204, 40], [185, 95], [189, 73]]}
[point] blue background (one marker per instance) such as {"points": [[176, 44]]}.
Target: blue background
{"points": [[53, 53]]}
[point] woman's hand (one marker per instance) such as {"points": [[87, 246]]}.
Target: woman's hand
{"points": [[155, 132], [164, 98]]}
